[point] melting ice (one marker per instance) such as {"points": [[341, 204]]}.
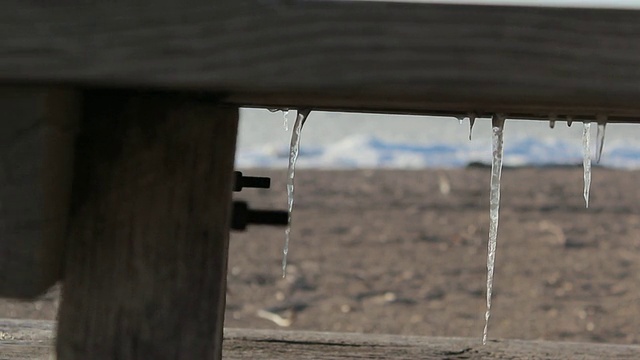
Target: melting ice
{"points": [[472, 121], [552, 120], [494, 207], [602, 126], [586, 160], [294, 149], [285, 115]]}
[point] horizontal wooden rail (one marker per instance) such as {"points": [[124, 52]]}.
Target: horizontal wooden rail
{"points": [[28, 339], [343, 55]]}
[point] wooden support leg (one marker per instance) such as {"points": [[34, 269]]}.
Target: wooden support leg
{"points": [[37, 129], [145, 271]]}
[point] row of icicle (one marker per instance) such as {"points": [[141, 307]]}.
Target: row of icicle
{"points": [[498, 121]]}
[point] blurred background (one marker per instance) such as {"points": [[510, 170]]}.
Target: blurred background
{"points": [[390, 229], [333, 140]]}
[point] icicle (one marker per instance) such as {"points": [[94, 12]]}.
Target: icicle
{"points": [[569, 121], [552, 120], [586, 160], [460, 119], [472, 121], [602, 126], [494, 207], [301, 118], [285, 116]]}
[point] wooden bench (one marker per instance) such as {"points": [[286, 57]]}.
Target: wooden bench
{"points": [[33, 340], [120, 118]]}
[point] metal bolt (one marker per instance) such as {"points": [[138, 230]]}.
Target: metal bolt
{"points": [[242, 216], [242, 181]]}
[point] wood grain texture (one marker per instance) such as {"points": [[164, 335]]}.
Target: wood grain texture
{"points": [[26, 339], [37, 131], [266, 344], [145, 273], [32, 336], [363, 56]]}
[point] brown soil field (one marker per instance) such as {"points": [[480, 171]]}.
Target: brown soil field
{"points": [[404, 252]]}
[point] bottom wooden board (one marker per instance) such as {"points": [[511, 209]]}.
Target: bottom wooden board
{"points": [[29, 339], [26, 339]]}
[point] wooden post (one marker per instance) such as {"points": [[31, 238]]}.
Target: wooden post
{"points": [[37, 129], [145, 271]]}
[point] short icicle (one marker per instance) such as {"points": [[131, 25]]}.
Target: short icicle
{"points": [[552, 120], [586, 160], [301, 118], [285, 116], [494, 208], [602, 126], [472, 121]]}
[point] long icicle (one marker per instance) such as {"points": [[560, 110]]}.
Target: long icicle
{"points": [[301, 118], [586, 160], [494, 208]]}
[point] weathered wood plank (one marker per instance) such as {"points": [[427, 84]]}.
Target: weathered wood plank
{"points": [[266, 344], [26, 339], [37, 130], [32, 336], [365, 56], [145, 271]]}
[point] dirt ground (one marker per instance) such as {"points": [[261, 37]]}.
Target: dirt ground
{"points": [[404, 252]]}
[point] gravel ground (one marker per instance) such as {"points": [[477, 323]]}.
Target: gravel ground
{"points": [[404, 252]]}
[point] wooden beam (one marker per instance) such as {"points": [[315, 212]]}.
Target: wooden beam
{"points": [[37, 132], [344, 55], [32, 337], [146, 262]]}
